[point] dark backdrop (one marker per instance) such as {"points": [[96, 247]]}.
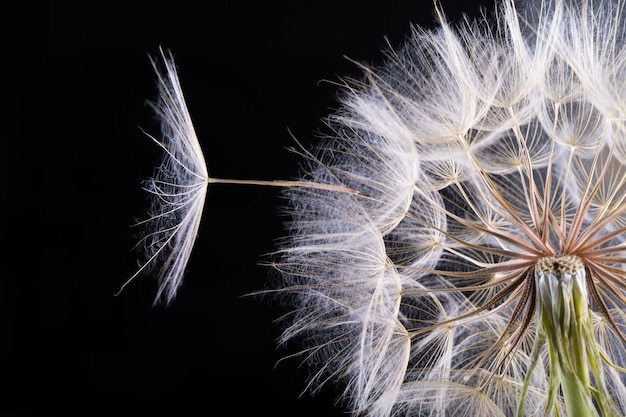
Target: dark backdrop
{"points": [[73, 159]]}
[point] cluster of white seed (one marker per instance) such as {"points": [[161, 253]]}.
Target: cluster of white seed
{"points": [[477, 152]]}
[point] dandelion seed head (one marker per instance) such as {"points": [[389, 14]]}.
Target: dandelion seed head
{"points": [[489, 223]]}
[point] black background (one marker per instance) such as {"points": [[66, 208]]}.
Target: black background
{"points": [[73, 159]]}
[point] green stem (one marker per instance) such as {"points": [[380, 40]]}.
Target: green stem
{"points": [[575, 380], [578, 400]]}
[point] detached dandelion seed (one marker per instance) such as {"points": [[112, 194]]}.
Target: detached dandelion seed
{"points": [[179, 187], [478, 266]]}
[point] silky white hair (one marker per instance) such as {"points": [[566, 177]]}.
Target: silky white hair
{"points": [[447, 173], [178, 187]]}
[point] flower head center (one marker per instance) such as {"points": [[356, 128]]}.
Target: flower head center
{"points": [[559, 266], [560, 281]]}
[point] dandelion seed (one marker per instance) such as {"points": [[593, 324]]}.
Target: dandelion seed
{"points": [[457, 243], [179, 187]]}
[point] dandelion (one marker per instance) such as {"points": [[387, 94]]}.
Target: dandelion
{"points": [[478, 268]]}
